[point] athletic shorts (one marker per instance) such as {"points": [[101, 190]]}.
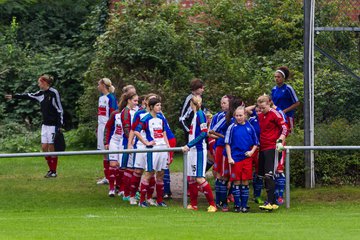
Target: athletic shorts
{"points": [[267, 162], [47, 134], [127, 160], [255, 158], [290, 123], [140, 158], [100, 137], [219, 164], [113, 146], [157, 161], [196, 165], [241, 171]]}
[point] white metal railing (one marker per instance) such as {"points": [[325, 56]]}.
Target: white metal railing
{"points": [[185, 155]]}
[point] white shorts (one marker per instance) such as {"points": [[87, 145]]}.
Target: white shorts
{"points": [[126, 160], [196, 162], [140, 159], [100, 137], [113, 146], [157, 161], [47, 134]]}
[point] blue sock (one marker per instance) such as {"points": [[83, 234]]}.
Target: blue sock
{"points": [[244, 195], [231, 189], [236, 194], [223, 191], [167, 181], [258, 185], [217, 191], [280, 185]]}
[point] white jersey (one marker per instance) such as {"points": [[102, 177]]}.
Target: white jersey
{"points": [[154, 129], [118, 131], [107, 104]]}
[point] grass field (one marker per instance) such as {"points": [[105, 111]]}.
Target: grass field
{"points": [[72, 206]]}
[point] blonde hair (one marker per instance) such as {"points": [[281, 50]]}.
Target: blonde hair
{"points": [[264, 98], [108, 84], [127, 88], [197, 100]]}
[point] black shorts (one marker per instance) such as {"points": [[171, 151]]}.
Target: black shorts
{"points": [[267, 163]]}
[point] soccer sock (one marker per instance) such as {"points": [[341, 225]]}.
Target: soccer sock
{"points": [[280, 184], [206, 189], [258, 185], [54, 163], [48, 158], [230, 189], [121, 182], [236, 194], [244, 195], [159, 191], [126, 179], [217, 191], [151, 189], [134, 183], [118, 177], [112, 172], [106, 165], [143, 190], [167, 181], [270, 189], [223, 191], [193, 189]]}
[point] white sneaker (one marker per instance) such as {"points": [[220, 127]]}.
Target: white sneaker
{"points": [[112, 193], [121, 194], [151, 202], [102, 181], [133, 201]]}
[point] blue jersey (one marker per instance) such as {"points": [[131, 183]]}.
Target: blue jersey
{"points": [[241, 138], [283, 97], [221, 128], [254, 121], [216, 118], [198, 131], [153, 127]]}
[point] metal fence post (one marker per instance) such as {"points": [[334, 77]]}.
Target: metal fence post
{"points": [[185, 155], [287, 177]]}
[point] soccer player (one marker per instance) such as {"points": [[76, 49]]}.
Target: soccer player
{"points": [[154, 126], [197, 88], [284, 96], [197, 157], [128, 104], [241, 144], [106, 105], [273, 131], [52, 117]]}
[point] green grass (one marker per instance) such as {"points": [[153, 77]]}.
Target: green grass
{"points": [[74, 207]]}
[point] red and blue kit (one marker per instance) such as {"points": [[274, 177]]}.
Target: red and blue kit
{"points": [[241, 138], [154, 128], [126, 116], [197, 144], [139, 158], [114, 135], [107, 104]]}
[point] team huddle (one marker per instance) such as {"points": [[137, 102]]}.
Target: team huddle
{"points": [[239, 142]]}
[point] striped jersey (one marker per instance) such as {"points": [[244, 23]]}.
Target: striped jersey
{"points": [[106, 105], [154, 128], [198, 131]]}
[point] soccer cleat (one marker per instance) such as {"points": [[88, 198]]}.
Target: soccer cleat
{"points": [[237, 209], [132, 201], [280, 201], [191, 207], [143, 204], [137, 195], [267, 207], [161, 204], [151, 202], [211, 208], [167, 196], [102, 181], [120, 194], [245, 210], [258, 200], [225, 208], [50, 174], [126, 198], [275, 207], [112, 193]]}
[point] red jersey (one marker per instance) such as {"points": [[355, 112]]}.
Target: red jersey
{"points": [[272, 125]]}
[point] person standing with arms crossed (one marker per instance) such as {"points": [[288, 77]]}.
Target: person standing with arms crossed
{"points": [[52, 115]]}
